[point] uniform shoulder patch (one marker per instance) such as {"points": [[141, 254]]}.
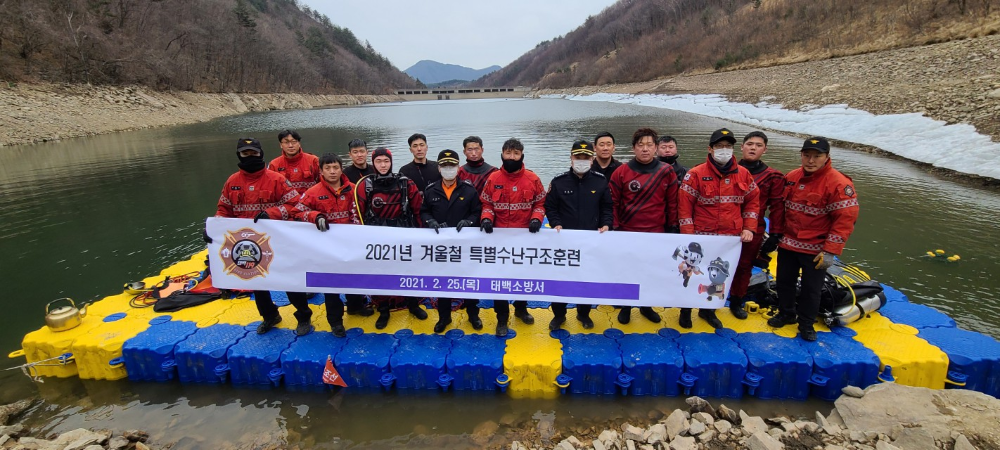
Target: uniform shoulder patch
{"points": [[687, 176], [849, 191]]}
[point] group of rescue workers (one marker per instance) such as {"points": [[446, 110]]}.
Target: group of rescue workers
{"points": [[812, 211]]}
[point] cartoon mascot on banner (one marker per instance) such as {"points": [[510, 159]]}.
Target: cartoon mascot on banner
{"points": [[718, 273], [690, 257]]}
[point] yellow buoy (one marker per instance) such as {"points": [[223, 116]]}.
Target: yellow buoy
{"points": [[939, 251]]}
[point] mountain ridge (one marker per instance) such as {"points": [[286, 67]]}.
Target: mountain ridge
{"points": [[430, 72]]}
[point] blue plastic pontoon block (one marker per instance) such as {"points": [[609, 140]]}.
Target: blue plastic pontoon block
{"points": [[419, 359], [253, 357], [364, 359], [475, 361], [717, 362], [203, 352], [149, 356], [654, 361], [916, 315], [784, 367], [592, 361], [305, 360], [974, 355]]}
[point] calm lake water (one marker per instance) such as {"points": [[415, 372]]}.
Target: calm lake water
{"points": [[81, 217]]}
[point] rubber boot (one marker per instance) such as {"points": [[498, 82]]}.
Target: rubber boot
{"points": [[474, 320], [685, 319], [444, 314], [736, 307], [710, 317], [383, 316], [625, 315], [413, 304]]}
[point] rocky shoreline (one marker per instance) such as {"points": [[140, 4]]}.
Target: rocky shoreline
{"points": [[32, 113], [882, 417]]}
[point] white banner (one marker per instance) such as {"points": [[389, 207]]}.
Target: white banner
{"points": [[616, 267]]}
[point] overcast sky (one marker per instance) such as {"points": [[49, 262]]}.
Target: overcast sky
{"points": [[474, 34]]}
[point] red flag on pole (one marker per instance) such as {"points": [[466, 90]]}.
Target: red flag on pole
{"points": [[330, 374]]}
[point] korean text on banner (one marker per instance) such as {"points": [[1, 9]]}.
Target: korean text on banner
{"points": [[623, 268]]}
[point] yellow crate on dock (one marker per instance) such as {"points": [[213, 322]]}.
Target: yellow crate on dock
{"points": [[209, 310], [44, 344], [196, 263], [533, 361], [95, 350], [914, 361]]}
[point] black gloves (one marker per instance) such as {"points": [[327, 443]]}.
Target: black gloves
{"points": [[463, 223], [205, 236], [673, 230], [261, 215], [431, 223], [321, 224], [486, 225], [770, 244], [534, 225]]}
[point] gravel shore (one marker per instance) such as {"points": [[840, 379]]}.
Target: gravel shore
{"points": [[31, 113]]}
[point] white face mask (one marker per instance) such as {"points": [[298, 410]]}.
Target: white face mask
{"points": [[449, 173], [722, 155], [581, 166]]}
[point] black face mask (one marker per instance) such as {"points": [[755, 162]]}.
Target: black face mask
{"points": [[513, 165], [252, 164]]}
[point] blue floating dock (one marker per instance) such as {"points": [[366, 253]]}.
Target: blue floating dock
{"points": [[916, 315], [592, 362], [149, 356], [893, 295], [203, 352], [716, 362], [302, 365], [364, 359], [974, 356], [253, 358], [475, 361], [778, 368], [654, 363], [531, 363], [419, 360], [842, 361]]}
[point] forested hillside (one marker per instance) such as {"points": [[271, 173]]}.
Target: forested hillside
{"points": [[196, 45], [638, 40]]}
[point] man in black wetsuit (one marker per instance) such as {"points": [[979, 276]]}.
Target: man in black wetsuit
{"points": [[420, 170]]}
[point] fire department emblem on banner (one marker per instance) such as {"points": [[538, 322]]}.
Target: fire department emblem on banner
{"points": [[247, 253]]}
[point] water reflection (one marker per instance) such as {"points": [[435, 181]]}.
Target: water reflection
{"points": [[195, 416]]}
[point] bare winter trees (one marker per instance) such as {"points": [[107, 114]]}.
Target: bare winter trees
{"points": [[205, 45]]}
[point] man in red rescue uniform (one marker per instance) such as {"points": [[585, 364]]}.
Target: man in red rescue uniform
{"points": [[512, 198], [332, 201], [299, 168], [257, 193], [717, 197], [644, 195], [821, 208], [771, 183]]}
